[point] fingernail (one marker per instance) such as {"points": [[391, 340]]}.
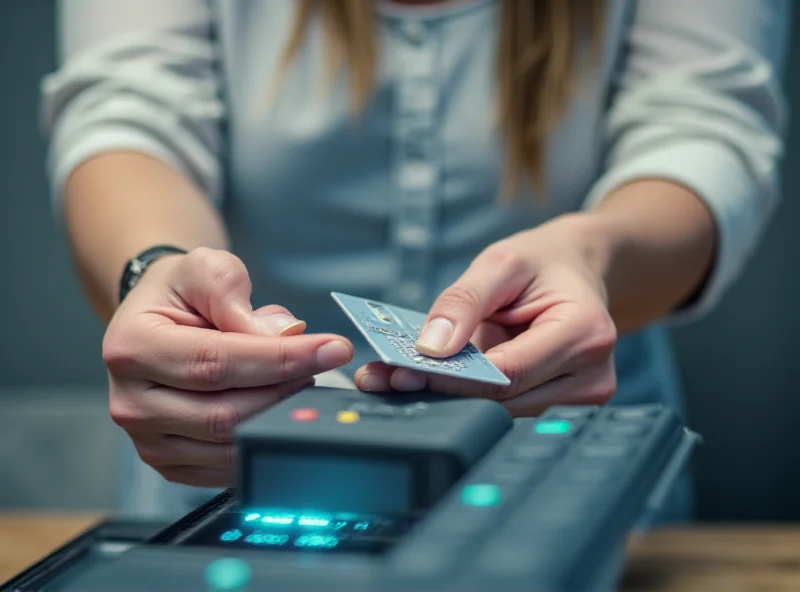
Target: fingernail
{"points": [[435, 335], [333, 354], [373, 383], [408, 380], [278, 324]]}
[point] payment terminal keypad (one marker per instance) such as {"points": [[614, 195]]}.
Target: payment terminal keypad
{"points": [[556, 492]]}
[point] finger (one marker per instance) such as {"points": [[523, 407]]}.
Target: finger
{"points": [[380, 377], [594, 387], [172, 451], [532, 358], [547, 351], [199, 477], [373, 377], [217, 285], [494, 279], [489, 335], [209, 360], [557, 343], [207, 417], [407, 380]]}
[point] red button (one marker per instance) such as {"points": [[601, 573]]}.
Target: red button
{"points": [[305, 414]]}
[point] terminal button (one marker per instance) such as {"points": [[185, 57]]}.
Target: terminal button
{"points": [[537, 451], [481, 494], [347, 417], [572, 413], [605, 451], [304, 414], [626, 429], [552, 426], [589, 474], [635, 413]]}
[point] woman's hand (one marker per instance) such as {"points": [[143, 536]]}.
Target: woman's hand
{"points": [[535, 303], [188, 359]]}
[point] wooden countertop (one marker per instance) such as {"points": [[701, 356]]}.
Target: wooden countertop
{"points": [[708, 558]]}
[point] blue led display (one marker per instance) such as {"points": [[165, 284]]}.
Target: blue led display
{"points": [[267, 539], [277, 520], [316, 541], [312, 521], [231, 535]]}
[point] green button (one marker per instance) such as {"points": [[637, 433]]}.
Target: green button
{"points": [[481, 494], [228, 575], [552, 426]]}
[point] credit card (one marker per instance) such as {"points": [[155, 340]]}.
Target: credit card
{"points": [[392, 332]]}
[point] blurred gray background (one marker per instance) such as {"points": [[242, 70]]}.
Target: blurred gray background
{"points": [[57, 443]]}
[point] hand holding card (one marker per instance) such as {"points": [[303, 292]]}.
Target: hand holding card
{"points": [[536, 305], [392, 332]]}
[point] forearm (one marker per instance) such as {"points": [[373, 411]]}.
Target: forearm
{"points": [[117, 205], [654, 242]]}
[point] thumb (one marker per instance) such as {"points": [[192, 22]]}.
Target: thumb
{"points": [[276, 320], [488, 284], [217, 285]]}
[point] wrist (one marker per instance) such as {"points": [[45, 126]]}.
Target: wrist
{"points": [[142, 266], [597, 241]]}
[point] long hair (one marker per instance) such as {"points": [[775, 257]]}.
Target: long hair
{"points": [[538, 56]]}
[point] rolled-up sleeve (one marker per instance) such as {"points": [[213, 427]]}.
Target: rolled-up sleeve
{"points": [[698, 101], [135, 75]]}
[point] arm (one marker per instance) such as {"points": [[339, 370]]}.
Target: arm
{"points": [[131, 166], [695, 138]]}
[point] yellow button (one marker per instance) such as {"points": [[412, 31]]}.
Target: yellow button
{"points": [[347, 416]]}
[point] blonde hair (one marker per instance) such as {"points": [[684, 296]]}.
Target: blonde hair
{"points": [[538, 61]]}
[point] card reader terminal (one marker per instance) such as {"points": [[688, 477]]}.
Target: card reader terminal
{"points": [[341, 490]]}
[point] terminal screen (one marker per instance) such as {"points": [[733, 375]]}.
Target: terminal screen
{"points": [[355, 485]]}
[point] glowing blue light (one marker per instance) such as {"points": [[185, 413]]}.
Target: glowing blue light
{"points": [[252, 516], [278, 520], [481, 494], [553, 426], [361, 526], [266, 538], [311, 521], [339, 525], [316, 541], [228, 574], [231, 535]]}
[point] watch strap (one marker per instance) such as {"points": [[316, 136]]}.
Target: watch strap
{"points": [[135, 267]]}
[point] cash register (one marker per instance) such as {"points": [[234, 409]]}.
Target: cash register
{"points": [[344, 490]]}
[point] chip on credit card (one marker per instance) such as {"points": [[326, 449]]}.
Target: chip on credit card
{"points": [[392, 332]]}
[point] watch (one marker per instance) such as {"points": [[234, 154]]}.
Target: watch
{"points": [[135, 268]]}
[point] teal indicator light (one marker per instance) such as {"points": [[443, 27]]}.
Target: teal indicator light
{"points": [[316, 541], [265, 538], [231, 535], [313, 521], [252, 516], [228, 575], [278, 520], [552, 426], [481, 494]]}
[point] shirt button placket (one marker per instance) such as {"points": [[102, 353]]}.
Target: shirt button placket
{"points": [[416, 163]]}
